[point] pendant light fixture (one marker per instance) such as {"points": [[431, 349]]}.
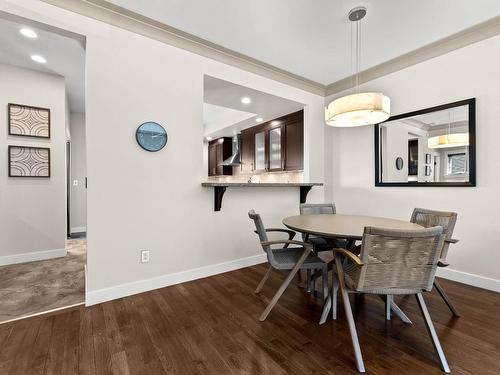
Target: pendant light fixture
{"points": [[450, 139], [358, 109]]}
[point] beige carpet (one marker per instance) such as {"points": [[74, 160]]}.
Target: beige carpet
{"points": [[35, 287]]}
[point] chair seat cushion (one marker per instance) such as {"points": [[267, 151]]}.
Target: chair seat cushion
{"points": [[288, 257]]}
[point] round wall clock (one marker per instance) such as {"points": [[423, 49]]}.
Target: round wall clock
{"points": [[151, 136], [399, 163]]}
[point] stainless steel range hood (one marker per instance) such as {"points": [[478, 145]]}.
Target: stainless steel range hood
{"points": [[235, 158]]}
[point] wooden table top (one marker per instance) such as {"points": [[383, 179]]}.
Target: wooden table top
{"points": [[343, 226]]}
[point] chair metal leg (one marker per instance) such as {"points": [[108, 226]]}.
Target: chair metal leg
{"points": [[299, 277], [308, 280], [285, 284], [263, 281], [444, 296], [396, 310], [388, 300], [326, 296], [432, 332], [326, 309], [350, 318], [313, 282], [324, 274], [335, 289]]}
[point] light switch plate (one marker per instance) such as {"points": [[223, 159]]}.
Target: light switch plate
{"points": [[75, 182]]}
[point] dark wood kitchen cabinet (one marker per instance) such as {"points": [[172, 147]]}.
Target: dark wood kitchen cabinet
{"points": [[247, 151], [293, 140], [219, 150], [276, 145]]}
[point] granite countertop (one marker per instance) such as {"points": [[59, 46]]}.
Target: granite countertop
{"points": [[261, 184]]}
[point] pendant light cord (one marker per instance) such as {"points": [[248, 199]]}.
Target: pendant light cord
{"points": [[351, 42], [357, 54], [357, 57]]}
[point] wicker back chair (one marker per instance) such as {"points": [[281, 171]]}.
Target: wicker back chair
{"points": [[285, 258], [396, 262], [391, 262], [429, 218], [320, 243], [317, 208]]}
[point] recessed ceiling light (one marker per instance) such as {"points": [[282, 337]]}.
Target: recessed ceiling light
{"points": [[246, 100], [28, 33], [39, 59], [258, 119]]}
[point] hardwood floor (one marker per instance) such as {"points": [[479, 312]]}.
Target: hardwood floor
{"points": [[210, 326]]}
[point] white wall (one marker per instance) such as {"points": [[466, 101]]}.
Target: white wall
{"points": [[139, 200], [394, 139], [469, 72], [32, 210], [78, 193], [395, 145]]}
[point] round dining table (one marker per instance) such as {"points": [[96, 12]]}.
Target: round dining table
{"points": [[351, 228]]}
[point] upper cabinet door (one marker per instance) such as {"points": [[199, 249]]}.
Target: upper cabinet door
{"points": [[260, 151], [220, 158], [212, 160], [294, 146], [275, 150], [247, 149]]}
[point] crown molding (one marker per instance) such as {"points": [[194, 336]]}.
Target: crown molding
{"points": [[104, 11], [440, 47]]}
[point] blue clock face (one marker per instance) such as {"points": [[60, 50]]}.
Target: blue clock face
{"points": [[151, 136]]}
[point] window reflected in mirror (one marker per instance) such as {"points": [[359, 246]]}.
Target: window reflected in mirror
{"points": [[435, 145]]}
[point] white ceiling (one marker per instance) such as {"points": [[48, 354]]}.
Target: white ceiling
{"points": [[225, 115], [445, 116], [312, 38], [65, 56], [216, 118]]}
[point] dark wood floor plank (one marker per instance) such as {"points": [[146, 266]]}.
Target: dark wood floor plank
{"points": [[37, 352], [210, 326], [86, 358], [102, 351], [55, 354]]}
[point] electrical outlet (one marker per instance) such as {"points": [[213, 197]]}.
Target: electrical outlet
{"points": [[144, 256]]}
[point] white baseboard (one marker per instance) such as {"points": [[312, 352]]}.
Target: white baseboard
{"points": [[32, 257], [78, 229], [469, 278], [140, 286]]}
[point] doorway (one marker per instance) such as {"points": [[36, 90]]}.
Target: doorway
{"points": [[42, 107]]}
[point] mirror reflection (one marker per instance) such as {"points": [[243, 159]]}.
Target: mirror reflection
{"points": [[429, 146]]}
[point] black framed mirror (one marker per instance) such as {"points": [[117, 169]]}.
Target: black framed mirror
{"points": [[437, 145]]}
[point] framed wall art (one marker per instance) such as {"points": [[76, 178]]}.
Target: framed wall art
{"points": [[28, 121], [24, 161]]}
